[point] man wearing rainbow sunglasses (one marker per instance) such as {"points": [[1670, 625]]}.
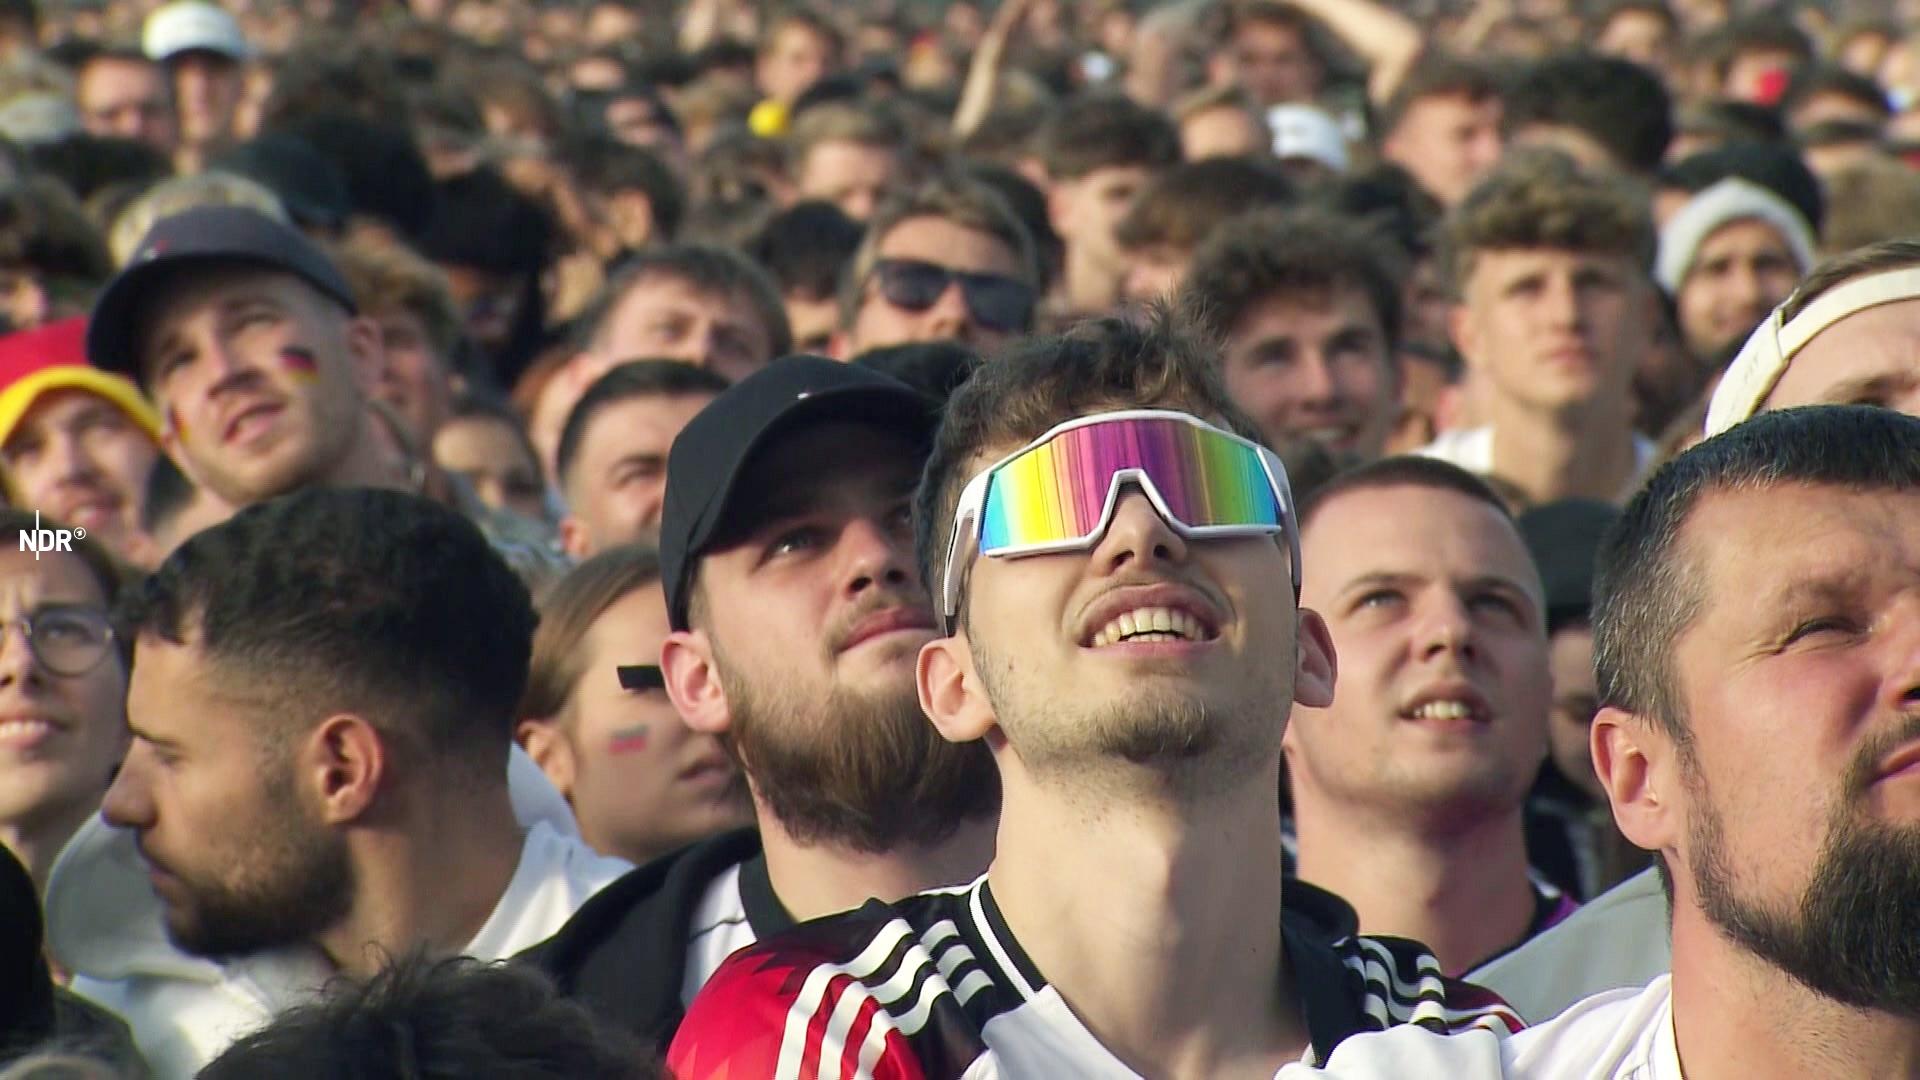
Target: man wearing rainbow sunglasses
{"points": [[1117, 570]]}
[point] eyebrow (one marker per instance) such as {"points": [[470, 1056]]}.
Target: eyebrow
{"points": [[148, 737], [1868, 387], [1480, 581]]}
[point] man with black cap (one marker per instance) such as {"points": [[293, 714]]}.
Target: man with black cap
{"points": [[798, 614], [247, 339]]}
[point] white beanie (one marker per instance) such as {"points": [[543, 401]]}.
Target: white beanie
{"points": [[1302, 131], [1728, 201], [1764, 358]]}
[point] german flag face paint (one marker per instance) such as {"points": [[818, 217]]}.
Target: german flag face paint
{"points": [[300, 363]]}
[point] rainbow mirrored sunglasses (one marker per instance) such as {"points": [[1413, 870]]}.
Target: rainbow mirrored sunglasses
{"points": [[1059, 492]]}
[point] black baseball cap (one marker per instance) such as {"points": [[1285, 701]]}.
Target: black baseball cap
{"points": [[202, 236], [713, 451]]}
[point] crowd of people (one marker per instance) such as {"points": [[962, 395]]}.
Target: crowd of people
{"points": [[1206, 538]]}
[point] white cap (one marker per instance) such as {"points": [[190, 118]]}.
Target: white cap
{"points": [[190, 25], [1724, 203], [1302, 131], [1764, 358]]}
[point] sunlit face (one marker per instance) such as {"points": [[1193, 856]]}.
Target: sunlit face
{"points": [[415, 379], [1272, 62], [795, 59], [234, 849], [77, 457], [1436, 614], [1223, 131], [1085, 211], [207, 88], [642, 783], [127, 99], [260, 379], [1148, 649], [856, 177], [1795, 680], [492, 456], [1575, 700], [1871, 357], [667, 318], [1448, 142], [814, 616], [617, 483], [1314, 368], [1640, 36], [1740, 272], [1554, 330], [60, 735], [878, 322]]}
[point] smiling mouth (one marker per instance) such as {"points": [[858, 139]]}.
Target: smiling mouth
{"points": [[1153, 624], [1447, 709]]}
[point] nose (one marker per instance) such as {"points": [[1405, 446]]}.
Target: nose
{"points": [[1903, 635], [1137, 536], [1562, 301], [17, 662], [1445, 626], [876, 556], [68, 459], [1316, 384], [948, 317], [129, 802]]}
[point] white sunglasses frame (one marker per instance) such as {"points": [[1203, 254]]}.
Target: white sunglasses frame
{"points": [[968, 511]]}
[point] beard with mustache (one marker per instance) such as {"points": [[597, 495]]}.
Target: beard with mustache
{"points": [[293, 882], [862, 769], [1854, 934]]}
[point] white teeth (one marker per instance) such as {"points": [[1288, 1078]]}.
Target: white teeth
{"points": [[1150, 624], [1443, 710], [14, 729]]}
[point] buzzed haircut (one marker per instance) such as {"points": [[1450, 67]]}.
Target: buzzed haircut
{"points": [[1543, 201], [804, 19], [1439, 75], [1407, 470], [1648, 587], [1298, 256], [1616, 103], [714, 271], [371, 601], [1182, 206], [633, 379], [1105, 131]]}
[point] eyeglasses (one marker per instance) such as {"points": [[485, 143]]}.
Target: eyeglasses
{"points": [[1060, 491], [995, 301], [67, 641]]}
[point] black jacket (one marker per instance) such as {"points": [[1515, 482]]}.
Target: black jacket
{"points": [[624, 953]]}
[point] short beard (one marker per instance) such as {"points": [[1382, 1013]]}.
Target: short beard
{"points": [[296, 882], [863, 771], [1854, 936], [1200, 750]]}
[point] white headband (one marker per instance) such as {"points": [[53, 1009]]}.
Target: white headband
{"points": [[1764, 358]]}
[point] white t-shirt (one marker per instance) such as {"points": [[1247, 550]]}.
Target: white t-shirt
{"points": [[555, 876], [1618, 1035], [1472, 450], [719, 929]]}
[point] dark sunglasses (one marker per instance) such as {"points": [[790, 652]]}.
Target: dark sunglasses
{"points": [[995, 301], [641, 677]]}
